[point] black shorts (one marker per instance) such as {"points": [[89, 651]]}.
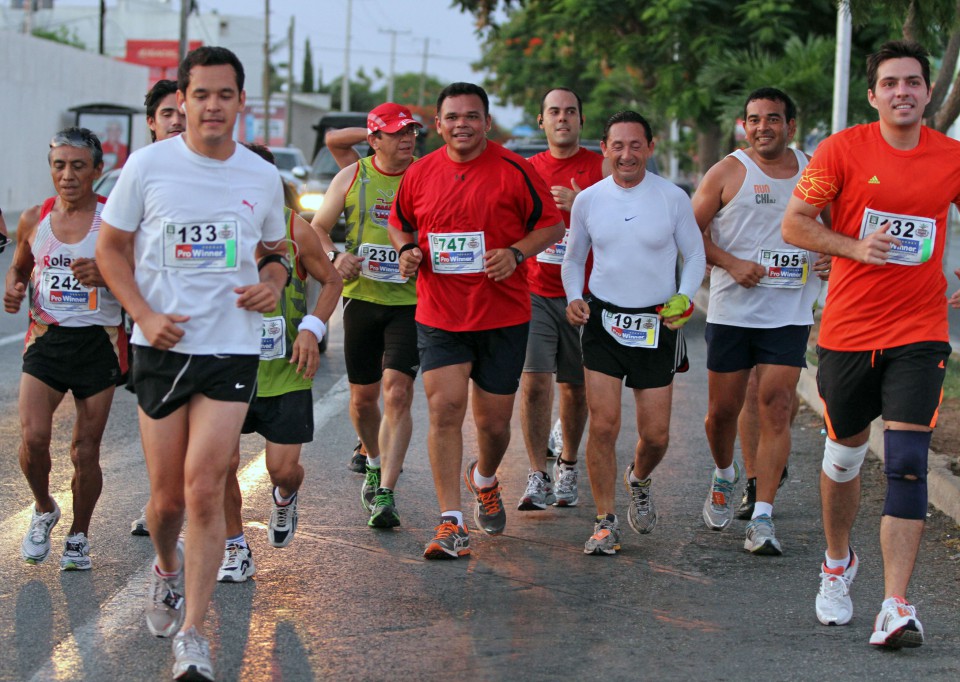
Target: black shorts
{"points": [[378, 337], [554, 343], [731, 348], [901, 384], [284, 419], [85, 360], [166, 380], [497, 354], [641, 367]]}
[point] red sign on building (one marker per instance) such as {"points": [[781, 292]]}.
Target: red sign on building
{"points": [[162, 56]]}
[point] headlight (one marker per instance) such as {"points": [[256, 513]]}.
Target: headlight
{"points": [[311, 201]]}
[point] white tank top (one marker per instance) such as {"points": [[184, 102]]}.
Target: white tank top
{"points": [[57, 297], [749, 228]]}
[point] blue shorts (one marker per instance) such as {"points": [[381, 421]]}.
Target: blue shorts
{"points": [[732, 349]]}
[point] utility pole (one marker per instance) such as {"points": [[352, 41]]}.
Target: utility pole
{"points": [[423, 74], [289, 124], [841, 68], [266, 72], [393, 56], [345, 82], [103, 16], [185, 7]]}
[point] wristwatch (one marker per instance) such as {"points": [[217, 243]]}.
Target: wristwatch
{"points": [[332, 255], [277, 258], [517, 253]]}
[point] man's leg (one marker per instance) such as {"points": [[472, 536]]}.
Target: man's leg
{"points": [[748, 426], [653, 425], [233, 498], [573, 417], [840, 503], [87, 479], [603, 402], [164, 449], [283, 465], [726, 392], [491, 413], [446, 390], [396, 426], [536, 411], [365, 415], [776, 393], [37, 404]]}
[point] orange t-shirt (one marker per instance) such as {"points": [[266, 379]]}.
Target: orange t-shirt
{"points": [[867, 182]]}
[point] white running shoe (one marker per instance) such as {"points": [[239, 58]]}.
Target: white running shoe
{"points": [[192, 654], [718, 507], [642, 514], [539, 493], [165, 609], [36, 543], [834, 606], [283, 521], [76, 554], [565, 484], [555, 442], [897, 625], [237, 564]]}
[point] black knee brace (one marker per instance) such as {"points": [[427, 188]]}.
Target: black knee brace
{"points": [[905, 464]]}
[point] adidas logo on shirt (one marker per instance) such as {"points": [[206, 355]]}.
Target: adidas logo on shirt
{"points": [[873, 181]]}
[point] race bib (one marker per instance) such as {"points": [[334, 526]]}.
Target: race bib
{"points": [[634, 330], [380, 263], [273, 338], [456, 252], [61, 292], [554, 254], [917, 235], [785, 268], [201, 245]]}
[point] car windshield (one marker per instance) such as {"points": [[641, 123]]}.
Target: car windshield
{"points": [[287, 159], [326, 166]]}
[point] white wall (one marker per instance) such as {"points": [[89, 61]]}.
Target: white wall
{"points": [[39, 82]]}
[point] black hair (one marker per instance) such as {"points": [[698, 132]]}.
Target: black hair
{"points": [[628, 116], [774, 95], [455, 89], [897, 49], [208, 56]]}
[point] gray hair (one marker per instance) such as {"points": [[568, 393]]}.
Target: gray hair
{"points": [[82, 138]]}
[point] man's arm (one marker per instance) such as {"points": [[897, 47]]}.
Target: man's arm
{"points": [[501, 263], [801, 228], [324, 220], [340, 142], [22, 265]]}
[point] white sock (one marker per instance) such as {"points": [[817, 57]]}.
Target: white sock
{"points": [[761, 508], [238, 540], [483, 481], [373, 462], [727, 474], [280, 499], [634, 479], [454, 514], [836, 563]]}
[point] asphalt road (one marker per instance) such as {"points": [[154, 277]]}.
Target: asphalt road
{"points": [[346, 602]]}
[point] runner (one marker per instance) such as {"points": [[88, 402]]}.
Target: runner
{"points": [[473, 307], [194, 214], [889, 185], [75, 342]]}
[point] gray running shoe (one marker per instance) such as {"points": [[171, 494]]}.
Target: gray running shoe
{"points": [[36, 543], [283, 521], [642, 514], [565, 484], [539, 493], [165, 609], [718, 507], [605, 538], [371, 481], [76, 554], [761, 537], [192, 654], [237, 564], [555, 442], [139, 525], [490, 515], [358, 459]]}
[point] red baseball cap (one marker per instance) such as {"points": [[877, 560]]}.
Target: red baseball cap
{"points": [[390, 118]]}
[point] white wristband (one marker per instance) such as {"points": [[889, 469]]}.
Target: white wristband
{"points": [[312, 323]]}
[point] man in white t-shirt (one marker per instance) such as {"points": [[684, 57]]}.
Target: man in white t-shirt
{"points": [[182, 234]]}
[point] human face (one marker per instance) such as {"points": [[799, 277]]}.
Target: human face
{"points": [[901, 94], [211, 103], [561, 119], [767, 128], [628, 150], [463, 126], [73, 173], [168, 121], [395, 147]]}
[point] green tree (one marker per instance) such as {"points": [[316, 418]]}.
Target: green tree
{"points": [[60, 35], [307, 67]]}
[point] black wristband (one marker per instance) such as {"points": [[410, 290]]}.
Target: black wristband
{"points": [[277, 258], [406, 247]]}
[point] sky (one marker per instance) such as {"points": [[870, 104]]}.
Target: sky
{"points": [[453, 45]]}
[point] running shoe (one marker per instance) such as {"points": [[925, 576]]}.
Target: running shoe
{"points": [[237, 564], [642, 514], [490, 515], [369, 488], [383, 513], [139, 525], [761, 537], [192, 654], [450, 542], [539, 492], [283, 521], [358, 460], [555, 441], [165, 607], [76, 554], [897, 625], [565, 486], [745, 510], [36, 543], [834, 606], [718, 507], [605, 538]]}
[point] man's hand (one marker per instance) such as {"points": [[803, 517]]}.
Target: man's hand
{"points": [[578, 312], [261, 297], [499, 264], [306, 354], [348, 265], [563, 196], [874, 249], [746, 273], [410, 261], [161, 329], [13, 297], [822, 266], [87, 272], [676, 312]]}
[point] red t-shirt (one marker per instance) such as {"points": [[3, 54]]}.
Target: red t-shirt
{"points": [[585, 168], [460, 210], [866, 181]]}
